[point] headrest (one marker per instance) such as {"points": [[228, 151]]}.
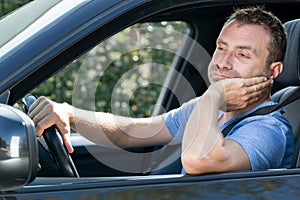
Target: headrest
{"points": [[290, 75]]}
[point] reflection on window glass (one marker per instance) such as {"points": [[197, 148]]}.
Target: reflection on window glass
{"points": [[123, 74], [12, 18]]}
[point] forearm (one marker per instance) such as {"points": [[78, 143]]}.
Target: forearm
{"points": [[100, 128], [202, 141], [204, 147], [112, 130]]}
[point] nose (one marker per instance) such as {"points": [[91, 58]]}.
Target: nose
{"points": [[226, 60]]}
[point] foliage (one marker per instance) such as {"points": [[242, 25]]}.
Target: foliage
{"points": [[124, 74], [128, 77]]}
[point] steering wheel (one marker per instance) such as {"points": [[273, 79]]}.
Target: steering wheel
{"points": [[55, 145]]}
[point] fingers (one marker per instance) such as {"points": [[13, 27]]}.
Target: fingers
{"points": [[39, 112], [255, 92], [46, 113], [249, 87], [254, 80], [239, 93], [67, 141], [259, 85], [36, 106], [256, 88], [43, 124]]}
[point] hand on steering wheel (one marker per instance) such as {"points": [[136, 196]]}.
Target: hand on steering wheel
{"points": [[55, 145]]}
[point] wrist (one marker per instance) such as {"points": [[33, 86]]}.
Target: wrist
{"points": [[70, 113], [214, 94]]}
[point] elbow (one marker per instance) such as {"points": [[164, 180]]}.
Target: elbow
{"points": [[194, 165]]}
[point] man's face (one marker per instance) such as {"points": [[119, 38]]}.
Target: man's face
{"points": [[241, 52]]}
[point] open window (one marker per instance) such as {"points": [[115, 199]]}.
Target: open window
{"points": [[126, 74]]}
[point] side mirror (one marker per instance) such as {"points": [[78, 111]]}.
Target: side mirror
{"points": [[18, 149]]}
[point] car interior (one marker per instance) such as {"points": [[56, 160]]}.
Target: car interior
{"points": [[289, 79], [286, 86], [281, 90], [211, 19], [286, 89]]}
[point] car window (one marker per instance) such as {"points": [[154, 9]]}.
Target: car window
{"points": [[123, 74]]}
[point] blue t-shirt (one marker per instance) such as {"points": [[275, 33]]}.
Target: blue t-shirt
{"points": [[268, 139]]}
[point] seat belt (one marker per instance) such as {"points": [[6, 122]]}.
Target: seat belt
{"points": [[292, 95]]}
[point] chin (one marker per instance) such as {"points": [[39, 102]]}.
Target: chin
{"points": [[214, 80]]}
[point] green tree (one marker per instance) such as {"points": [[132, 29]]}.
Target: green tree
{"points": [[112, 60]]}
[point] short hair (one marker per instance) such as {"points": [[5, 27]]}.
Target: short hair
{"points": [[259, 16]]}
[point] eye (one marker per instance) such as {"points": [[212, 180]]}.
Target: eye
{"points": [[243, 54], [220, 48]]}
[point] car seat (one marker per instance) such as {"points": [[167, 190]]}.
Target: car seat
{"points": [[290, 79]]}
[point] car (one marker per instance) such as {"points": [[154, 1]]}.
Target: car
{"points": [[133, 58]]}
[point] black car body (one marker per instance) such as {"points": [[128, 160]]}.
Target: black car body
{"points": [[62, 32]]}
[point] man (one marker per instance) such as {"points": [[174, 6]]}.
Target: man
{"points": [[249, 54]]}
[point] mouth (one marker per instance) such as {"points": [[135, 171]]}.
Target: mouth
{"points": [[216, 73], [223, 75], [220, 76]]}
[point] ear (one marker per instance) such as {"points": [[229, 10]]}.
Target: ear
{"points": [[276, 68]]}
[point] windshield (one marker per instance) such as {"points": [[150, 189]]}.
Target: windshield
{"points": [[21, 18], [45, 13]]}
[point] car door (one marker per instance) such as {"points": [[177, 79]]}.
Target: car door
{"points": [[152, 50], [88, 157]]}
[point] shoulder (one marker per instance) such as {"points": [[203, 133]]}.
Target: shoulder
{"points": [[176, 119], [258, 135], [184, 110], [273, 125], [273, 122]]}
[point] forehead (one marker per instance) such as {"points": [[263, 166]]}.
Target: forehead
{"points": [[238, 34]]}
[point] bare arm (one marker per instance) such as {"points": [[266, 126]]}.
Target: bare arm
{"points": [[204, 147], [101, 128], [104, 128]]}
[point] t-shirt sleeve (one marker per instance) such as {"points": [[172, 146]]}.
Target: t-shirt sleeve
{"points": [[176, 119], [263, 140]]}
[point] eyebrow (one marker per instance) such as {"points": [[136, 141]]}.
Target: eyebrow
{"points": [[253, 50], [247, 47]]}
